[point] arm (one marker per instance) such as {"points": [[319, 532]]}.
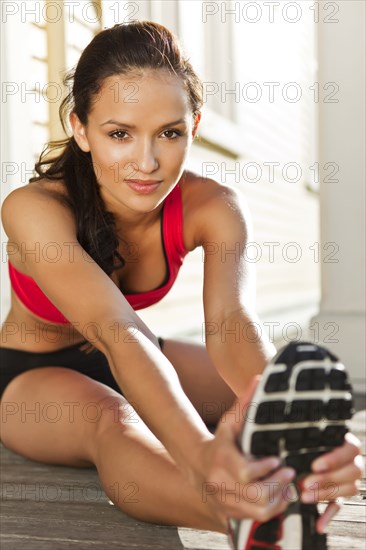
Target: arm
{"points": [[238, 353], [94, 305], [235, 338]]}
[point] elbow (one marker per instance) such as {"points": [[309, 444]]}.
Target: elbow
{"points": [[119, 336]]}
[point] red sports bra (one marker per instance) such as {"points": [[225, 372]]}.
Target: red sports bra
{"points": [[174, 250]]}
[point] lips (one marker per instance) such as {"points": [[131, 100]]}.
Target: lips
{"points": [[144, 182], [143, 187]]}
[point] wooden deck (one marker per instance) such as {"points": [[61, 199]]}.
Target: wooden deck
{"points": [[55, 508]]}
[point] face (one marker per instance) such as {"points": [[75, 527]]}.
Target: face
{"points": [[140, 127]]}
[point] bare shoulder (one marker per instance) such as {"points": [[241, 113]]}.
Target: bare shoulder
{"points": [[208, 204], [29, 204]]}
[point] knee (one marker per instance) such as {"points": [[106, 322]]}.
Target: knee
{"points": [[7, 410], [118, 417], [11, 411], [114, 411]]}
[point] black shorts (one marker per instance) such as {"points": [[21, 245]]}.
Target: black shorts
{"points": [[93, 364]]}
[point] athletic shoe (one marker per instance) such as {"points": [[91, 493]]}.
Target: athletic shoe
{"points": [[301, 404]]}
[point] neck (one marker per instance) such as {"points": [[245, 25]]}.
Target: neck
{"points": [[137, 223]]}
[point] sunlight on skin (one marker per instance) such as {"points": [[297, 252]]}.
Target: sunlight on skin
{"points": [[151, 150]]}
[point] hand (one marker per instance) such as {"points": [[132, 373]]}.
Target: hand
{"points": [[335, 475], [233, 485]]}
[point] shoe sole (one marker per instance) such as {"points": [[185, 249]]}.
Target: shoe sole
{"points": [[301, 404]]}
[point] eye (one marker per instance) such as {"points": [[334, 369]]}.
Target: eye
{"points": [[117, 134], [114, 135], [174, 132]]}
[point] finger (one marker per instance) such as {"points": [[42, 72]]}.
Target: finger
{"points": [[277, 486], [265, 494], [347, 474], [258, 469], [250, 504], [274, 502], [264, 513], [339, 456], [260, 500], [330, 493], [238, 468], [331, 510]]}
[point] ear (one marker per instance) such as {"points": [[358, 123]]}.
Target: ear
{"points": [[79, 132], [195, 125]]}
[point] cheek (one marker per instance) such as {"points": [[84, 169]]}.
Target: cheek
{"points": [[180, 149], [108, 159], [108, 153], [185, 150]]}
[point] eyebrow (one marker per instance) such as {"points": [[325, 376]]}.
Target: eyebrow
{"points": [[111, 121]]}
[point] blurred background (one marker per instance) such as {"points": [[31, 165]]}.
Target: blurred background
{"points": [[283, 121]]}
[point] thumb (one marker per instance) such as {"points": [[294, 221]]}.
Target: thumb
{"points": [[233, 418]]}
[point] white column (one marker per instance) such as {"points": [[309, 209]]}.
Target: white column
{"points": [[341, 54], [16, 147], [56, 66]]}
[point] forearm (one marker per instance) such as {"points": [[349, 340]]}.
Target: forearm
{"points": [[151, 385], [239, 348]]}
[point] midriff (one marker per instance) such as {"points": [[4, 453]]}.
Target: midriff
{"points": [[23, 330]]}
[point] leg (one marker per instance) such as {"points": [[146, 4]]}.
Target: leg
{"points": [[201, 382], [56, 415]]}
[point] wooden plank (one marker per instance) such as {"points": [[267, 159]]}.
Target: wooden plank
{"points": [[343, 542], [47, 507], [14, 542], [194, 539], [102, 526], [351, 531], [86, 524], [349, 512], [346, 530]]}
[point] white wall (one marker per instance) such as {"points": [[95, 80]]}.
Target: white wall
{"points": [[232, 52], [255, 136], [342, 202], [16, 126]]}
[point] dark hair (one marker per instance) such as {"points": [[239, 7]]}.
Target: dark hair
{"points": [[121, 49]]}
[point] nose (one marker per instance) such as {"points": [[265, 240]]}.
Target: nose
{"points": [[147, 161]]}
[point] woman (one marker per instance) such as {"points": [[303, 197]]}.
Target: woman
{"points": [[101, 233]]}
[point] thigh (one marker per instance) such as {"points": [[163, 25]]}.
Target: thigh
{"points": [[47, 412], [201, 382]]}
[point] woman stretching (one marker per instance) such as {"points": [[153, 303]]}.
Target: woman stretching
{"points": [[102, 232]]}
